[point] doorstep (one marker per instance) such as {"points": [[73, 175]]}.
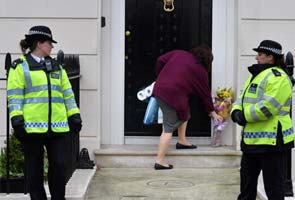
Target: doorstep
{"points": [[137, 156]]}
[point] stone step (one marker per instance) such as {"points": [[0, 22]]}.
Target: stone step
{"points": [[125, 156]]}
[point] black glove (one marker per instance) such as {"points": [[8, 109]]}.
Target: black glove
{"points": [[238, 117], [75, 123], [18, 125]]}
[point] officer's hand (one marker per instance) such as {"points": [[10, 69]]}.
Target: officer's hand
{"points": [[238, 117], [75, 123], [75, 127], [18, 127], [20, 132]]}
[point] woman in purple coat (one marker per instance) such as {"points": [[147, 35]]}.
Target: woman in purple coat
{"points": [[181, 74]]}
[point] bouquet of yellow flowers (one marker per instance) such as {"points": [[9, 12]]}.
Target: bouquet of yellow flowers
{"points": [[222, 101]]}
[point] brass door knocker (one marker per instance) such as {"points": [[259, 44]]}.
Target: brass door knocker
{"points": [[168, 5]]}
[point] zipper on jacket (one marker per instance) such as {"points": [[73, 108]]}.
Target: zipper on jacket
{"points": [[49, 100]]}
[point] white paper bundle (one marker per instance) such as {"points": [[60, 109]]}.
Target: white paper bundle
{"points": [[145, 93]]}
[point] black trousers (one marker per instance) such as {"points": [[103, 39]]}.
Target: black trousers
{"points": [[272, 167], [34, 153]]}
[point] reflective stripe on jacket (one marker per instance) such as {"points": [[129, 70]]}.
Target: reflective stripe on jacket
{"points": [[45, 99], [265, 101]]}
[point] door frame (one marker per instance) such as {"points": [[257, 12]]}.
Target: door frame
{"points": [[224, 46]]}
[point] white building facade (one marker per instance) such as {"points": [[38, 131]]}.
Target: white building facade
{"points": [[237, 27]]}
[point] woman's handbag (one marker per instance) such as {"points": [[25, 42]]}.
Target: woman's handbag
{"points": [[153, 114]]}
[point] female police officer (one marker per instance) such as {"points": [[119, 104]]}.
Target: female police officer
{"points": [[263, 112], [42, 111]]}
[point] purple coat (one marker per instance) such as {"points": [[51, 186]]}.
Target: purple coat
{"points": [[179, 75]]}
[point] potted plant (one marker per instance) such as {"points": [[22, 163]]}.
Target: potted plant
{"points": [[16, 171]]}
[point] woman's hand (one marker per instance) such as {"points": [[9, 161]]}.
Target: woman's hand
{"points": [[215, 116]]}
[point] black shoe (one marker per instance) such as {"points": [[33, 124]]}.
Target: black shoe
{"points": [[161, 167], [181, 146]]}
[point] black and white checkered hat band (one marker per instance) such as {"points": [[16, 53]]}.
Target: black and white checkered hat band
{"points": [[32, 32], [274, 50]]}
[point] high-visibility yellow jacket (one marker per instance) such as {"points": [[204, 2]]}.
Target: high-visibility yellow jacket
{"points": [[266, 101], [44, 99]]}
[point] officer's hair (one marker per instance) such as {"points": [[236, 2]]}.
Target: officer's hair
{"points": [[30, 44], [278, 60]]}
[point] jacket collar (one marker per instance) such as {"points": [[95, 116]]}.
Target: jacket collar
{"points": [[33, 64], [38, 59], [257, 68]]}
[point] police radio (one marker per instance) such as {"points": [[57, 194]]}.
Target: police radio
{"points": [[48, 65]]}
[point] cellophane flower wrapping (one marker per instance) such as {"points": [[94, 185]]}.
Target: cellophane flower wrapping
{"points": [[222, 100]]}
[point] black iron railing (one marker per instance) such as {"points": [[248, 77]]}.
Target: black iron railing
{"points": [[72, 66], [288, 153]]}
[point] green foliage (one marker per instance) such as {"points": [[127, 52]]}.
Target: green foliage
{"points": [[16, 159]]}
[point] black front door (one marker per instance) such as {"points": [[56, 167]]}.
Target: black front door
{"points": [[149, 32]]}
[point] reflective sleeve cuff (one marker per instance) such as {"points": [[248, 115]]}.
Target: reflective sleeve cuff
{"points": [[235, 107], [73, 111], [15, 113]]}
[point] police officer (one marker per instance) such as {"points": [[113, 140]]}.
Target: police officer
{"points": [[42, 110], [263, 111]]}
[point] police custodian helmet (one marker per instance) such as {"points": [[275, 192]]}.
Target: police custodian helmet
{"points": [[270, 47], [39, 32]]}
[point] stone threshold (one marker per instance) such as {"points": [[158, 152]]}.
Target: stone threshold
{"points": [[144, 156], [147, 149]]}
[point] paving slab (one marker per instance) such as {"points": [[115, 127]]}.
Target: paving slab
{"points": [[75, 189], [175, 184]]}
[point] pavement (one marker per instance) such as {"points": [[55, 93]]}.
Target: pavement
{"points": [[149, 184], [76, 187], [175, 184]]}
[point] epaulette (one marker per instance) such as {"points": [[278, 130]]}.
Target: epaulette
{"points": [[16, 62], [276, 72]]}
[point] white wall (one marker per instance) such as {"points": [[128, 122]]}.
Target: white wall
{"points": [[224, 44], [75, 25], [264, 19], [113, 72], [260, 20]]}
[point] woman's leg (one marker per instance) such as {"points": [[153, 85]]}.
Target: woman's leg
{"points": [[163, 147], [181, 134], [273, 175], [34, 151], [249, 172], [170, 123], [56, 172]]}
